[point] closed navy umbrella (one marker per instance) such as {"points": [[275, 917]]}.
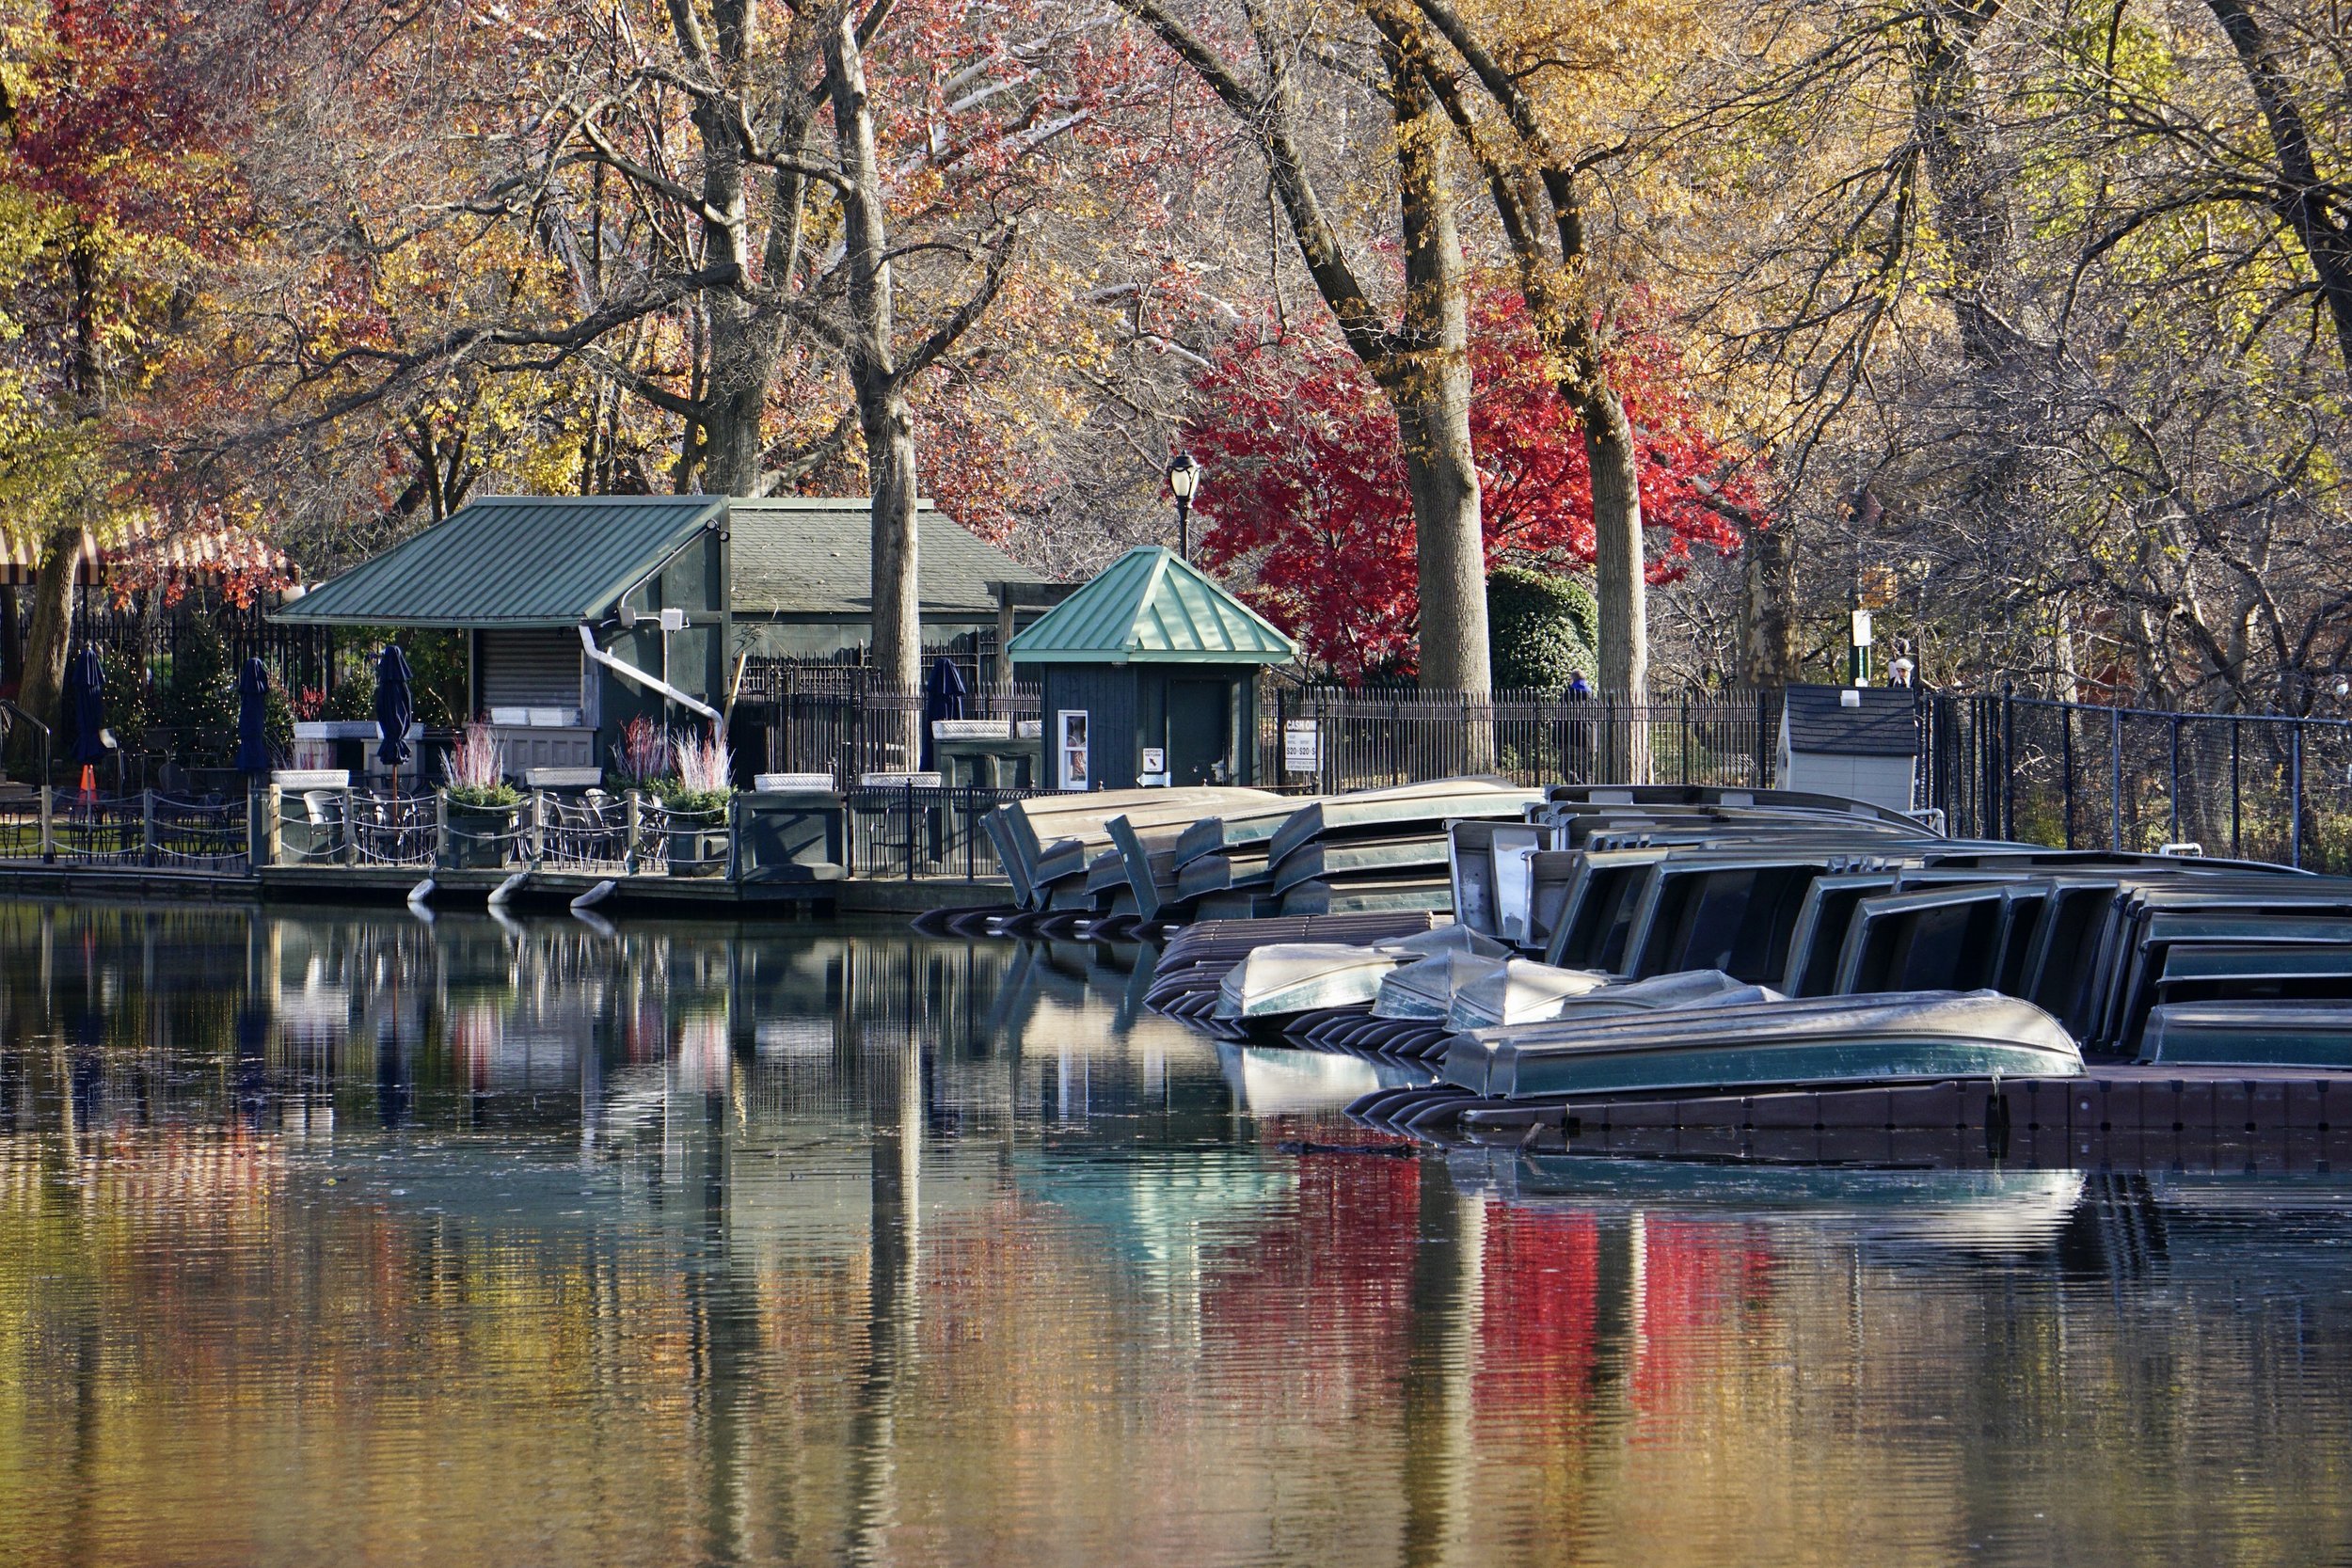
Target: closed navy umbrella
{"points": [[943, 698], [253, 718], [395, 708], [84, 707]]}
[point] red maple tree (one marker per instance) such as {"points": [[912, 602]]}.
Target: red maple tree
{"points": [[1308, 496]]}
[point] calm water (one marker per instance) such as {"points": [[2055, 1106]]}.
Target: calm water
{"points": [[343, 1238]]}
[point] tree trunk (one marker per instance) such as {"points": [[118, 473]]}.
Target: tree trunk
{"points": [[1966, 172], [1768, 621], [2305, 198], [740, 364], [1428, 383], [50, 639], [882, 412], [1612, 451], [897, 606]]}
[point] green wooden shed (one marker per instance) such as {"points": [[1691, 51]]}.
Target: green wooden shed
{"points": [[583, 611], [1148, 674]]}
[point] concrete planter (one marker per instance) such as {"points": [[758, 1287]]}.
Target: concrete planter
{"points": [[698, 851], [479, 836]]}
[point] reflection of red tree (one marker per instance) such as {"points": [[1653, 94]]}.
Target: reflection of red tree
{"points": [[1695, 1278], [1326, 1282], [1540, 1272]]}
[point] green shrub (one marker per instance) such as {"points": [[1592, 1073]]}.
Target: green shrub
{"points": [[351, 701], [129, 700], [199, 697], [1541, 630]]}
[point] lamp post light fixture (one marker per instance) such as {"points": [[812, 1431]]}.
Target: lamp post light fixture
{"points": [[1184, 481]]}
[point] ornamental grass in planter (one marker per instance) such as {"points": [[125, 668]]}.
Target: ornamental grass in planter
{"points": [[481, 804], [695, 802]]}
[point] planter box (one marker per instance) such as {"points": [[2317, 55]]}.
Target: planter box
{"points": [[479, 837], [698, 851]]}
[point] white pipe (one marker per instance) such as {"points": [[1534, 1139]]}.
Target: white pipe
{"points": [[629, 671]]}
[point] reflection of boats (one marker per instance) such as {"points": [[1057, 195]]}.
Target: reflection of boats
{"points": [[1272, 1081], [1986, 1209]]}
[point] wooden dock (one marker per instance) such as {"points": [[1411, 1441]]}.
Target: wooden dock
{"points": [[710, 898]]}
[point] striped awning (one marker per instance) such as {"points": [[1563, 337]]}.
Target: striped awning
{"points": [[139, 554]]}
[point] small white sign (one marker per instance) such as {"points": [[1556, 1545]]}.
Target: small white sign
{"points": [[1302, 746], [1154, 759]]}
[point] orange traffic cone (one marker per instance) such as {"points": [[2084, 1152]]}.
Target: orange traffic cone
{"points": [[89, 781]]}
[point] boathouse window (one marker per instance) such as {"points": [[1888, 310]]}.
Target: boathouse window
{"points": [[1074, 750]]}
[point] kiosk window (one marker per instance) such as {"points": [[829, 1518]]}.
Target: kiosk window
{"points": [[1073, 750]]}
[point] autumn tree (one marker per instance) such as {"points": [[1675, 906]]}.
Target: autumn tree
{"points": [[1416, 355], [1313, 509]]}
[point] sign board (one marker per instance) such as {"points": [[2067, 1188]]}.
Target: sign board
{"points": [[1302, 746], [1154, 759]]}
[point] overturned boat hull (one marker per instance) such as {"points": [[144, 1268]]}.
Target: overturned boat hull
{"points": [[1882, 1039]]}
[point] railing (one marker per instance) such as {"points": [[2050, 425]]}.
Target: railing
{"points": [[1368, 739], [147, 829], [822, 719], [2081, 775], [909, 833]]}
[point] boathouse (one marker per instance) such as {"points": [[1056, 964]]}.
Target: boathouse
{"points": [[583, 611], [1148, 675], [1858, 741]]}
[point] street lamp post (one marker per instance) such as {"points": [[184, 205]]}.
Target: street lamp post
{"points": [[1184, 480]]}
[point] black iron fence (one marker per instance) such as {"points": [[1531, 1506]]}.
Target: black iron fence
{"points": [[2264, 787], [835, 719], [906, 831], [1330, 740]]}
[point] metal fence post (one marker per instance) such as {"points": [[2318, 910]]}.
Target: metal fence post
{"points": [[2115, 759], [440, 827], [2295, 761], [48, 822], [971, 830], [146, 827], [2234, 800], [2008, 761], [538, 845], [351, 831], [1686, 738], [909, 827], [2175, 763], [2066, 756], [633, 829], [1763, 771]]}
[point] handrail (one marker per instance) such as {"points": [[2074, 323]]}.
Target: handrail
{"points": [[15, 712]]}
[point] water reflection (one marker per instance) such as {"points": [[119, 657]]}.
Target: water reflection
{"points": [[569, 1242]]}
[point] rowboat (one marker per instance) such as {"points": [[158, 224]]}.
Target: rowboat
{"points": [[1521, 992], [1286, 977], [1745, 1045]]}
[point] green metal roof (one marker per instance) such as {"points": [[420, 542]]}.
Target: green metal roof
{"points": [[1151, 607], [814, 556], [511, 561]]}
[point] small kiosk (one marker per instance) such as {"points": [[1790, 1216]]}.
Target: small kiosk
{"points": [[1148, 675], [1861, 742]]}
